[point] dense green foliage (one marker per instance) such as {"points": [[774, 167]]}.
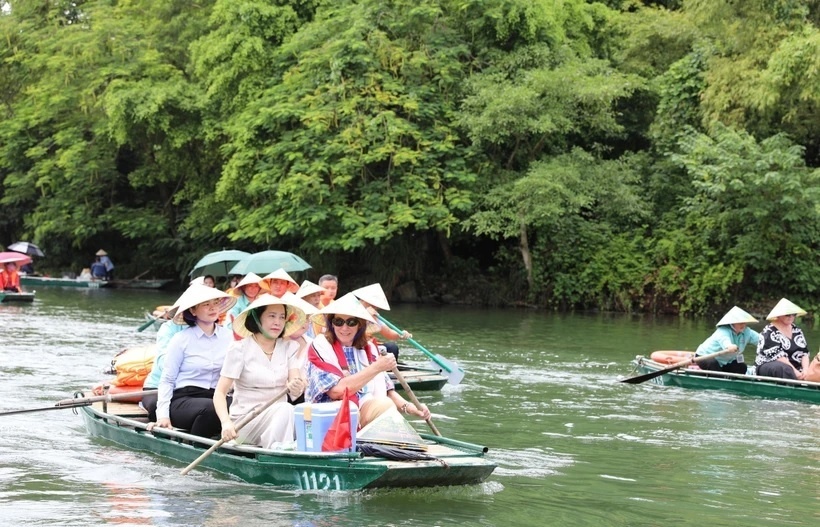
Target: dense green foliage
{"points": [[620, 154]]}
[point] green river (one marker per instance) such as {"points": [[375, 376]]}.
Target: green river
{"points": [[573, 445]]}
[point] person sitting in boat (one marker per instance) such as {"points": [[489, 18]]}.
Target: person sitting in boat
{"points": [[97, 269], [308, 293], [342, 358], [109, 265], [192, 363], [209, 280], [245, 292], [311, 293], [732, 334], [279, 282], [260, 367], [10, 278], [782, 350], [373, 299], [330, 283]]}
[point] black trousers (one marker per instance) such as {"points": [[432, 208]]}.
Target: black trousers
{"points": [[776, 369], [714, 365], [149, 402], [192, 408]]}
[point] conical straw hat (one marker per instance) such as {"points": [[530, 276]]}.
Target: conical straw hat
{"points": [[784, 307], [736, 316], [374, 295], [197, 294], [248, 279], [347, 305], [280, 274], [101, 253], [298, 312], [309, 288]]}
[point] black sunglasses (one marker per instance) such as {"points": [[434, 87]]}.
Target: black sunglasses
{"points": [[339, 322]]}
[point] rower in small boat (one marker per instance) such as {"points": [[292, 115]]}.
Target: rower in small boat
{"points": [[373, 298], [731, 334]]}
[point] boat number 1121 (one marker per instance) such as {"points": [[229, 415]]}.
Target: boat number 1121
{"points": [[320, 481]]}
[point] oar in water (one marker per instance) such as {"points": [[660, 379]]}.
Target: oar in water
{"points": [[84, 401], [451, 370], [413, 397], [151, 320], [238, 426], [682, 364]]}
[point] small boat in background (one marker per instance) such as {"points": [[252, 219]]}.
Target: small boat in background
{"points": [[419, 378], [754, 385], [48, 281], [6, 296], [158, 283]]}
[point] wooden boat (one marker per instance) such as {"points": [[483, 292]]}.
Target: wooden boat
{"points": [[7, 296], [754, 385], [457, 462], [140, 284], [49, 281], [420, 378]]}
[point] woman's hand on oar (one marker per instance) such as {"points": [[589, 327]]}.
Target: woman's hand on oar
{"points": [[237, 427], [694, 359]]}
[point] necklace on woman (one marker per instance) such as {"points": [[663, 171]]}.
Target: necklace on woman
{"points": [[266, 352]]}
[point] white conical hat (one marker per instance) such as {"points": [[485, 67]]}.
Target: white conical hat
{"points": [[248, 279], [197, 294], [374, 295], [200, 280], [280, 274], [309, 288], [736, 316], [297, 316], [784, 307], [347, 305]]}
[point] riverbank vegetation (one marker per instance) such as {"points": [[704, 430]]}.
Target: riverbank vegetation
{"points": [[620, 154]]}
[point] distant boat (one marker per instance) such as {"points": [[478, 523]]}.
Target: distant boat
{"points": [[158, 283], [49, 281], [6, 296]]}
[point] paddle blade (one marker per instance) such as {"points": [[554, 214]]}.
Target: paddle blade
{"points": [[651, 375], [449, 369]]}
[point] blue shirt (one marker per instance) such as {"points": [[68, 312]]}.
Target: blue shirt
{"points": [[241, 303], [106, 261], [722, 338], [193, 359], [164, 335]]}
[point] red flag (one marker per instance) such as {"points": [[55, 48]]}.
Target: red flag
{"points": [[338, 436]]}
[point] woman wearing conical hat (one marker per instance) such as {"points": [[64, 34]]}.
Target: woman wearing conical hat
{"points": [[731, 333], [342, 359], [373, 299], [261, 366], [782, 350], [245, 292]]}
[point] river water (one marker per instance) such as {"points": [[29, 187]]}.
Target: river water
{"points": [[573, 445]]}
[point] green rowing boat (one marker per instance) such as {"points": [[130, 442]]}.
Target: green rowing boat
{"points": [[17, 297], [754, 385], [419, 378], [455, 463], [48, 281]]}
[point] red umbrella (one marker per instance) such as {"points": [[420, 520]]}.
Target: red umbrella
{"points": [[18, 258]]}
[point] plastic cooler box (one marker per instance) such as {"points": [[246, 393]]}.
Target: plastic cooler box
{"points": [[310, 433]]}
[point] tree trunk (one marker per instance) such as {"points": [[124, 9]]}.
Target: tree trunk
{"points": [[525, 255]]}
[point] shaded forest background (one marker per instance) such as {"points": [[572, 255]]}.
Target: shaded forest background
{"points": [[619, 155]]}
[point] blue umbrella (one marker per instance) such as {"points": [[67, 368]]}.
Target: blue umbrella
{"points": [[266, 262], [217, 263]]}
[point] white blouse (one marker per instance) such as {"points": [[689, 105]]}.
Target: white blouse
{"points": [[257, 379]]}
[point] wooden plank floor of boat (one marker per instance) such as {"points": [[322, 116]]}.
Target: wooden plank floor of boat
{"points": [[121, 409]]}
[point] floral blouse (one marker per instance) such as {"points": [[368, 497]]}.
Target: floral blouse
{"points": [[773, 344]]}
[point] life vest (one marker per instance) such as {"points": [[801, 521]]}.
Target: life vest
{"points": [[332, 360], [133, 365]]}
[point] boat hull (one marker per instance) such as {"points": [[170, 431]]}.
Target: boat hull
{"points": [[751, 385], [419, 379], [139, 284], [463, 464], [47, 281], [16, 297]]}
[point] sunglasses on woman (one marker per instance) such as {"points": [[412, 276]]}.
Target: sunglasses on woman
{"points": [[350, 322]]}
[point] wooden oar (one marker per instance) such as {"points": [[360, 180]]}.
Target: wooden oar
{"points": [[682, 364], [83, 401], [451, 370], [413, 397], [238, 426]]}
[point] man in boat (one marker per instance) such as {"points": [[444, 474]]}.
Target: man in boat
{"points": [[731, 334], [373, 298], [330, 284]]}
